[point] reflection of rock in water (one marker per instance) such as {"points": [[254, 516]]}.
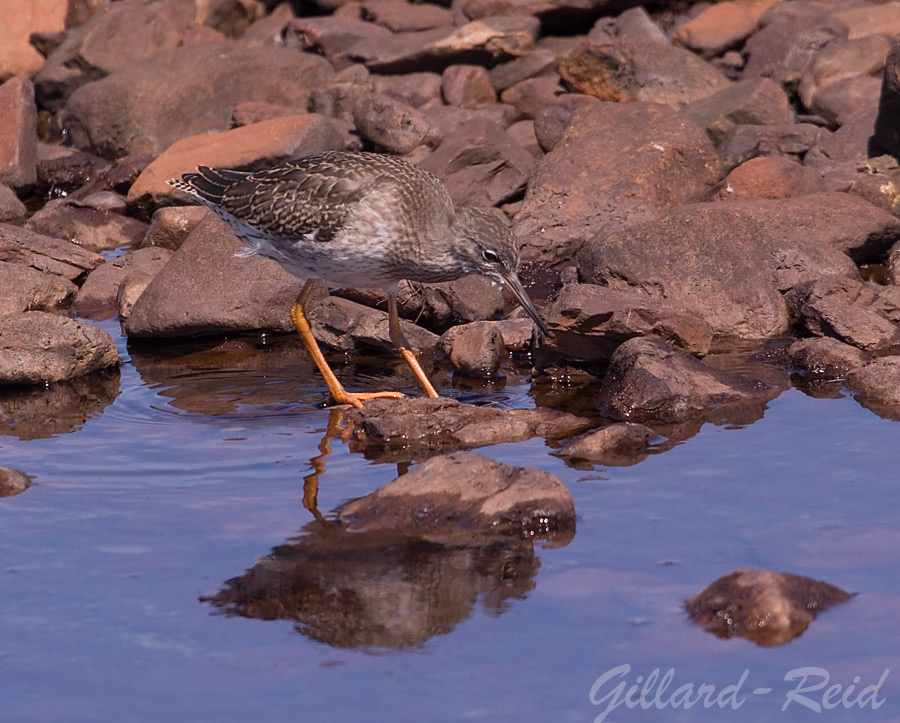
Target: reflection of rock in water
{"points": [[423, 549], [59, 408], [360, 589], [765, 607]]}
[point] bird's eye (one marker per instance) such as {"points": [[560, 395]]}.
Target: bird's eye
{"points": [[490, 256]]}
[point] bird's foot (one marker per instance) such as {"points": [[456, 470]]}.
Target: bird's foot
{"points": [[356, 399]]}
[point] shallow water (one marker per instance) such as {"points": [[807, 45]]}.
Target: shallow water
{"points": [[185, 472]]}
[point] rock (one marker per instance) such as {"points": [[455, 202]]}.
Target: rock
{"points": [[522, 132], [640, 71], [392, 126], [46, 254], [887, 129], [26, 289], [206, 289], [753, 101], [826, 358], [37, 347], [98, 296], [650, 381], [530, 96], [748, 141], [769, 177], [852, 311], [616, 163], [636, 24], [88, 227], [871, 20], [13, 482], [346, 326], [842, 61], [765, 607], [61, 170], [721, 26], [12, 210], [399, 16], [447, 119], [877, 386], [534, 63], [413, 427], [447, 304], [335, 37], [844, 100], [729, 263], [475, 350], [617, 445], [846, 149], [467, 86], [109, 116], [22, 18], [481, 165], [415, 89], [171, 225], [465, 492], [247, 148], [18, 133], [588, 323]]}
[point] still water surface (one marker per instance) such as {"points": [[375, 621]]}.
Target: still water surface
{"points": [[183, 476]]}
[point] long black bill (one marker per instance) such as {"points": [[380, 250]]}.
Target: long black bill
{"points": [[522, 297]]}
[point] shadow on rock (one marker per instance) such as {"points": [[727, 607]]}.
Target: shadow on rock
{"points": [[59, 408], [767, 608], [410, 560]]}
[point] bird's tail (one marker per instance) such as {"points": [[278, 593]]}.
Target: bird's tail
{"points": [[207, 184]]}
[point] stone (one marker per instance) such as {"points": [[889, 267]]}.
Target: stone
{"points": [[13, 482], [62, 170], [868, 20], [765, 607], [37, 347], [769, 177], [841, 61], [171, 225], [22, 18], [12, 210], [26, 289], [887, 125], [616, 445], [616, 163], [45, 254], [826, 358], [399, 16], [481, 165], [529, 96], [467, 86], [392, 126], [247, 148], [18, 134], [749, 141], [109, 116], [476, 350], [721, 26], [92, 229], [877, 386], [650, 381], [465, 492], [98, 296], [206, 289], [534, 63], [842, 101], [415, 89]]}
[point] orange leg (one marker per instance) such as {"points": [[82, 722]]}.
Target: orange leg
{"points": [[399, 339], [340, 395]]}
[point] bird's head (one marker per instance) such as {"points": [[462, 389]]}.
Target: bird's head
{"points": [[488, 247]]}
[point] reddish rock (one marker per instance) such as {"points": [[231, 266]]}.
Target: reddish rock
{"points": [[415, 89], [21, 19], [12, 210], [171, 225], [616, 163], [721, 26], [333, 37], [844, 100], [877, 386], [37, 347], [62, 170], [98, 296], [90, 228], [765, 607], [447, 119], [874, 19], [769, 177], [505, 75], [475, 350], [528, 97], [44, 253], [392, 126], [467, 86], [26, 289], [18, 133], [13, 482], [826, 358], [617, 445], [841, 61], [399, 16], [748, 141]]}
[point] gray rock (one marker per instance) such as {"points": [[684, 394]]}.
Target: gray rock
{"points": [[27, 289], [98, 296], [90, 228], [45, 254], [392, 126], [618, 445], [13, 482]]}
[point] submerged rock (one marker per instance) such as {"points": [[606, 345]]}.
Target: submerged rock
{"points": [[618, 445], [13, 482], [768, 608]]}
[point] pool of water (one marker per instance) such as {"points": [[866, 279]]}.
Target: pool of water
{"points": [[183, 473]]}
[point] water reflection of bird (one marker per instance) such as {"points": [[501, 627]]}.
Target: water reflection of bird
{"points": [[361, 220]]}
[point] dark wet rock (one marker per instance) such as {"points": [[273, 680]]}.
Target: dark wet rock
{"points": [[877, 386], [409, 428], [44, 411], [765, 607], [12, 210], [748, 141], [527, 66], [466, 493], [887, 129], [634, 70], [45, 254], [769, 177], [648, 381], [346, 326], [18, 133], [114, 38], [37, 347], [98, 296], [720, 27], [618, 445], [441, 306], [171, 225], [475, 350], [753, 101], [90, 228], [467, 86], [250, 147], [859, 313], [782, 48], [415, 89], [27, 289], [110, 116], [488, 41], [616, 163], [826, 358], [730, 262], [481, 165], [517, 334], [588, 323], [392, 126], [205, 289], [13, 482]]}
